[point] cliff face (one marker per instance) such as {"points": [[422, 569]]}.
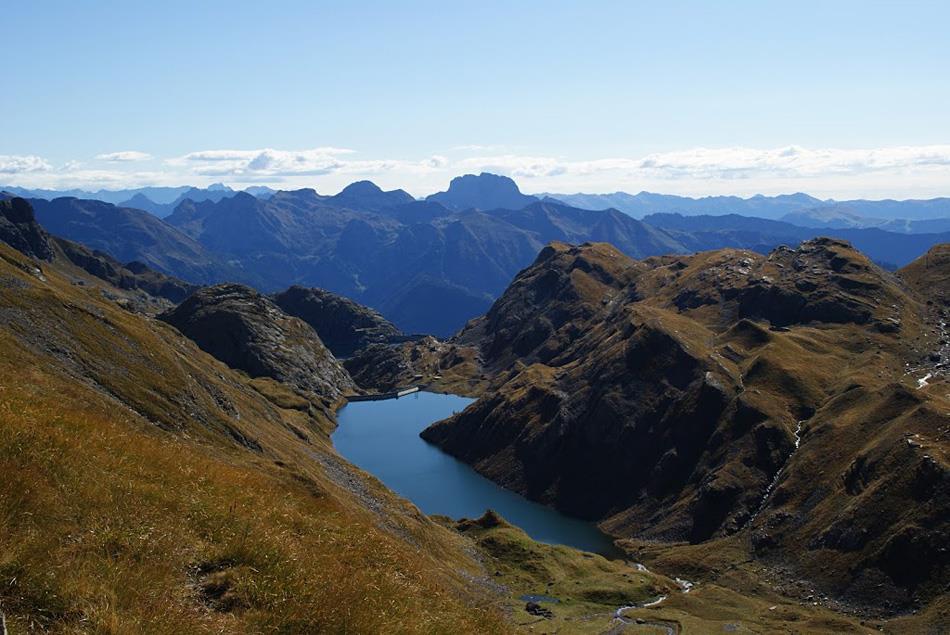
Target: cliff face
{"points": [[691, 397], [247, 331]]}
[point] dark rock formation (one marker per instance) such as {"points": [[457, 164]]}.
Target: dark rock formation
{"points": [[19, 229], [426, 361], [247, 331], [344, 326]]}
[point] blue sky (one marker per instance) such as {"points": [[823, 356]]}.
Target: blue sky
{"points": [[835, 98]]}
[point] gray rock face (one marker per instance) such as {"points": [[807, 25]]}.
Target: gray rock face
{"points": [[247, 331]]}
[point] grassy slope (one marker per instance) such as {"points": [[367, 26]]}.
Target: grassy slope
{"points": [[131, 503], [128, 503], [732, 596]]}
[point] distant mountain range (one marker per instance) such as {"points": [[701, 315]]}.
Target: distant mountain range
{"points": [[428, 266], [403, 257], [910, 216], [129, 234], [160, 201], [489, 191], [701, 233]]}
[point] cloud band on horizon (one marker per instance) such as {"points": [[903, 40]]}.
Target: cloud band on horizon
{"points": [[906, 168]]}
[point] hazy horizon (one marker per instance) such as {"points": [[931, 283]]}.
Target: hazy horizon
{"points": [[278, 187]]}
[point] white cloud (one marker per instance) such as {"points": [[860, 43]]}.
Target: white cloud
{"points": [[515, 165], [124, 155], [900, 171], [791, 161], [14, 164], [436, 161], [727, 163], [267, 161], [255, 164]]}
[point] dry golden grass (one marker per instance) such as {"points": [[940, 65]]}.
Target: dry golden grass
{"points": [[128, 505], [109, 527], [589, 588]]}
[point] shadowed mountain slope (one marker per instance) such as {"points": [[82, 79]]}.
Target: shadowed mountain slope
{"points": [[20, 230], [426, 268], [690, 398], [129, 234]]}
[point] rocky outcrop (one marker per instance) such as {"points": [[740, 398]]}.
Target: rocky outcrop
{"points": [[19, 229], [686, 398], [441, 366], [543, 309], [247, 331], [344, 326]]}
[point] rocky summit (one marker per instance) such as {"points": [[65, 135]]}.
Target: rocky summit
{"points": [[247, 331]]}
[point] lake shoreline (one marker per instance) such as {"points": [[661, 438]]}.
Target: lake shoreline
{"points": [[381, 436]]}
